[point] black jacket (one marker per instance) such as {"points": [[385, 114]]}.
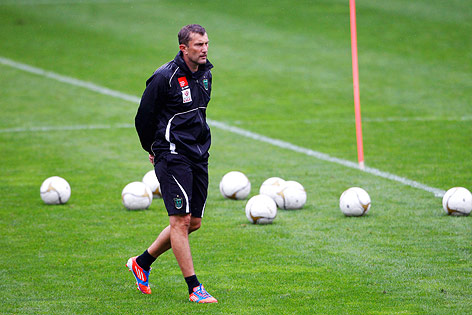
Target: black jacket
{"points": [[172, 114]]}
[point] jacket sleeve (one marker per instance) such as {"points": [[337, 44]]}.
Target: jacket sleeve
{"points": [[146, 117]]}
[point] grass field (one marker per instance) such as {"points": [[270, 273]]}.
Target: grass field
{"points": [[282, 70]]}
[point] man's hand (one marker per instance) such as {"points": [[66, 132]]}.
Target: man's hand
{"points": [[151, 159]]}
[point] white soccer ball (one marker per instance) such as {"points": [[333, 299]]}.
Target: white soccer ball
{"points": [[293, 195], [136, 196], [55, 190], [272, 187], [151, 180], [354, 202], [261, 209], [235, 185], [287, 195], [457, 201]]}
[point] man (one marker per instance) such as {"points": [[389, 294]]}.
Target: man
{"points": [[171, 124]]}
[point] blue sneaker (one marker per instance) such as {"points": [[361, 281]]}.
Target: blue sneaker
{"points": [[200, 295], [141, 275]]}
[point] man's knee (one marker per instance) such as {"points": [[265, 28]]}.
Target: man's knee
{"points": [[195, 224], [181, 222]]}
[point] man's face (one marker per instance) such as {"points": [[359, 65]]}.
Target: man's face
{"points": [[197, 49]]}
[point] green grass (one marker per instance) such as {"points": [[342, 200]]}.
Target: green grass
{"points": [[282, 70]]}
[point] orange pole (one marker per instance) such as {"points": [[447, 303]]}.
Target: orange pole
{"points": [[355, 77]]}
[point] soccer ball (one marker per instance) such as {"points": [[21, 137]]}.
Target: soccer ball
{"points": [[261, 209], [293, 195], [287, 195], [151, 180], [55, 190], [457, 201], [136, 196], [354, 202], [235, 185], [272, 187]]}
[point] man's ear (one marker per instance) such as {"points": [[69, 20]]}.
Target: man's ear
{"points": [[183, 48]]}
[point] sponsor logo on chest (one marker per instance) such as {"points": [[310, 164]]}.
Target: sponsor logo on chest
{"points": [[186, 95], [183, 82]]}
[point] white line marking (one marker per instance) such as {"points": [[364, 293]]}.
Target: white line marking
{"points": [[69, 80], [325, 157], [276, 142], [62, 2], [65, 128]]}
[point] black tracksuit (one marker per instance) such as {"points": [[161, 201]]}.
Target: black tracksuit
{"points": [[172, 114]]}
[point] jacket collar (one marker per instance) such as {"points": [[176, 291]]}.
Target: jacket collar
{"points": [[179, 60]]}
